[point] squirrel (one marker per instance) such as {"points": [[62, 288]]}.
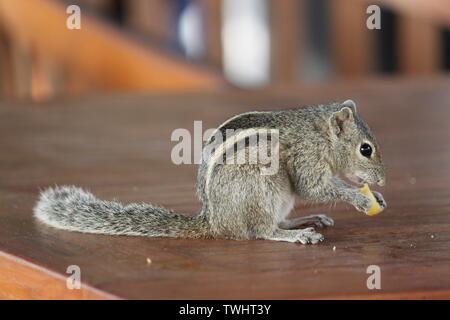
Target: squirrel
{"points": [[317, 146]]}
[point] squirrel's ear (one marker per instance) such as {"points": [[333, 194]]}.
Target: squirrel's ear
{"points": [[349, 104], [341, 120]]}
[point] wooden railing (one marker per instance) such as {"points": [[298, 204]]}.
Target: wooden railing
{"points": [[48, 58], [45, 58]]}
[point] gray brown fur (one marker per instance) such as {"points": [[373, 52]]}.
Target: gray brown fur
{"points": [[316, 145]]}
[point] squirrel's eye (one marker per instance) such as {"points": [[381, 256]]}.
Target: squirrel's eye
{"points": [[366, 150]]}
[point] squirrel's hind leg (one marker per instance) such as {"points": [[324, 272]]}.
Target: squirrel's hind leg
{"points": [[305, 236], [319, 220]]}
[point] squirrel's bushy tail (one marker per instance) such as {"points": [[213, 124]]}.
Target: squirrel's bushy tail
{"points": [[74, 209]]}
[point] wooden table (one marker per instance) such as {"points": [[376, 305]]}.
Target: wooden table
{"points": [[119, 148]]}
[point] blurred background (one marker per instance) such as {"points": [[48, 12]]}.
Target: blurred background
{"points": [[198, 45]]}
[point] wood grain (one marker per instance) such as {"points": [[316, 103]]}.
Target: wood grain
{"points": [[119, 148], [22, 280]]}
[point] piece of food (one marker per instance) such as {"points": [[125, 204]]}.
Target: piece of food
{"points": [[375, 208]]}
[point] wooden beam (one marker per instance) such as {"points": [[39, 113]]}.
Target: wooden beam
{"points": [[212, 18], [42, 86], [286, 39], [21, 65], [351, 41], [150, 17], [6, 71], [418, 46], [98, 52]]}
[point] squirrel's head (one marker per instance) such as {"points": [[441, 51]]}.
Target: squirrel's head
{"points": [[355, 149]]}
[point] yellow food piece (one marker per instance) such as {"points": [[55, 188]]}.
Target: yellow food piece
{"points": [[375, 208]]}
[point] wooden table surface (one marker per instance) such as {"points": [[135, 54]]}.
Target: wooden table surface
{"points": [[119, 147]]}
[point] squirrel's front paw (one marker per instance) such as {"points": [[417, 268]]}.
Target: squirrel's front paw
{"points": [[380, 199], [362, 203]]}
